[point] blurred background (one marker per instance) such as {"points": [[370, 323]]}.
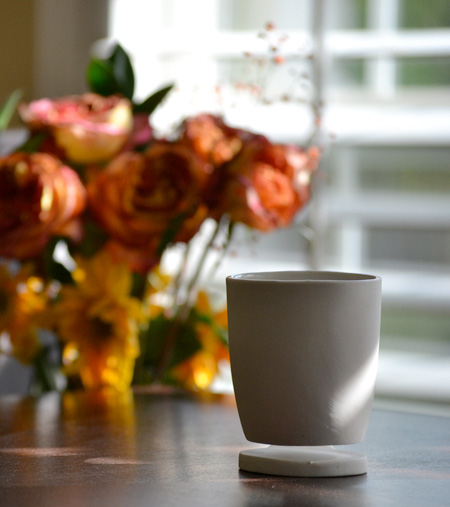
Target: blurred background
{"points": [[378, 74]]}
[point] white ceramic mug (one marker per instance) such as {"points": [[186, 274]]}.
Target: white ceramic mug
{"points": [[304, 353]]}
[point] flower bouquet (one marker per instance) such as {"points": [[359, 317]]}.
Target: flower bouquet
{"points": [[89, 206]]}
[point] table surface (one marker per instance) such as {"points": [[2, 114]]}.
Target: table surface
{"points": [[159, 449]]}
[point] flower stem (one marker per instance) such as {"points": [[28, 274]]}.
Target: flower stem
{"points": [[178, 282], [43, 374], [183, 310], [225, 223]]}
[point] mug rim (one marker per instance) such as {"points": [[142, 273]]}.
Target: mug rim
{"points": [[302, 276]]}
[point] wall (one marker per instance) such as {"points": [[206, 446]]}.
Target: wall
{"points": [[16, 47], [45, 45]]}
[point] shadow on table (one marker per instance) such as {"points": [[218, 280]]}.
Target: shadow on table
{"points": [[260, 490]]}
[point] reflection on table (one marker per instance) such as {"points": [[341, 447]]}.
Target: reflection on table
{"points": [[167, 449]]}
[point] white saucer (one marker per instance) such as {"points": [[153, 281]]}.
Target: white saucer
{"points": [[317, 461]]}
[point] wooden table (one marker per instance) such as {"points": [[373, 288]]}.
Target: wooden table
{"points": [[158, 449]]}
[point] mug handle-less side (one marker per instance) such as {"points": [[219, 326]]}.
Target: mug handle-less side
{"points": [[313, 389]]}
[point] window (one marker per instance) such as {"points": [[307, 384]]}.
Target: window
{"points": [[383, 200]]}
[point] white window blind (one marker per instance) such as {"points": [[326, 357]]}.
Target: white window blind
{"points": [[382, 70]]}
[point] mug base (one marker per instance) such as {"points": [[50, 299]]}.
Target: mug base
{"points": [[311, 461]]}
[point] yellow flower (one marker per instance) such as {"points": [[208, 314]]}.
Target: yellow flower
{"points": [[99, 322], [23, 300], [199, 370]]}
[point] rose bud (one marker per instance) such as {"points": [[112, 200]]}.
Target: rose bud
{"points": [[212, 140]]}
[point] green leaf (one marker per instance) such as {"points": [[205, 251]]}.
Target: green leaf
{"points": [[154, 338], [221, 333], [100, 77], [94, 238], [186, 344], [44, 373], [139, 285], [172, 230], [112, 75], [33, 143], [54, 269], [153, 101], [8, 108], [123, 72], [59, 272]]}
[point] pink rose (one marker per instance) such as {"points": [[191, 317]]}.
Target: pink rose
{"points": [[88, 128]]}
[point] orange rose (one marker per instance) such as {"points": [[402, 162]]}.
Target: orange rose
{"points": [[138, 196], [39, 197], [139, 259], [212, 140], [267, 184], [88, 128]]}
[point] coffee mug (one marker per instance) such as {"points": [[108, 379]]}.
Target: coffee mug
{"points": [[304, 353]]}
